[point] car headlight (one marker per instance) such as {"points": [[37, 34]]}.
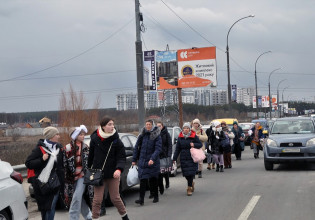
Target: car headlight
{"points": [[271, 143], [310, 142]]}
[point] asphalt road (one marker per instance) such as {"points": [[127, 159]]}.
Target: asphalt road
{"points": [[246, 191]]}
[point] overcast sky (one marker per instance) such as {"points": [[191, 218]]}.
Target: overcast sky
{"points": [[47, 45]]}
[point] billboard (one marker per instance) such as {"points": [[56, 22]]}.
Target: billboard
{"points": [[166, 69], [274, 102], [149, 77], [259, 101], [234, 93], [265, 101], [197, 67]]}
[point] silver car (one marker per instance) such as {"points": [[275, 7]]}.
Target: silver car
{"points": [[290, 140], [13, 203]]}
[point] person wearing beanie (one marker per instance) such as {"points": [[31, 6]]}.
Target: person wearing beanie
{"points": [[238, 140], [105, 143], [196, 127], [217, 138], [227, 145], [76, 164], [46, 158], [187, 139], [146, 155]]}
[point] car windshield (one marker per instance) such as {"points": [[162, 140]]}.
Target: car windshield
{"points": [[293, 127], [245, 126]]}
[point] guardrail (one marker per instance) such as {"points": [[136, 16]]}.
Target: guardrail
{"points": [[21, 169]]}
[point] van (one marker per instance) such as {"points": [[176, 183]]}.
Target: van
{"points": [[229, 121]]}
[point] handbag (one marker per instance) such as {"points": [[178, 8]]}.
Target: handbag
{"points": [[165, 165], [52, 184], [197, 154], [132, 176], [95, 176]]}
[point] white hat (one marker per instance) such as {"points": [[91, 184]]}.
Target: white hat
{"points": [[187, 124]]}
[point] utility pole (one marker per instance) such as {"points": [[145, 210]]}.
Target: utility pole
{"points": [[139, 62]]}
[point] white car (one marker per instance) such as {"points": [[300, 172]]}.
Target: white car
{"points": [[13, 203]]}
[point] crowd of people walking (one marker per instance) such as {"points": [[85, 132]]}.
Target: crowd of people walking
{"points": [[62, 171]]}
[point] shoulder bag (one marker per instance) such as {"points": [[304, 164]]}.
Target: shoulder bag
{"points": [[95, 176]]}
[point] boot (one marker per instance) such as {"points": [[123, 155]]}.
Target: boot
{"points": [[255, 155], [209, 166], [189, 191], [140, 201], [221, 168], [213, 166], [151, 196], [193, 187], [125, 217], [156, 199], [200, 174], [217, 170]]}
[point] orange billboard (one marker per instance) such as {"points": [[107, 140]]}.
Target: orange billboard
{"points": [[197, 67]]}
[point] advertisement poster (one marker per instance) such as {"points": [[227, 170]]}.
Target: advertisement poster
{"points": [[254, 101], [197, 67], [265, 101], [234, 93], [149, 80], [274, 102], [166, 69], [259, 101]]}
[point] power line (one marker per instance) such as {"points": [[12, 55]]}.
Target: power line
{"points": [[72, 58]]}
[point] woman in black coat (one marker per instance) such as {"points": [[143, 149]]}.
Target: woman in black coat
{"points": [[187, 139], [238, 140], [165, 153], [146, 155], [105, 143], [47, 149]]}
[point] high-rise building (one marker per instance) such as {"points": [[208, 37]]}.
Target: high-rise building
{"points": [[245, 95]]}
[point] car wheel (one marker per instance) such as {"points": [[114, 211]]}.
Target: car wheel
{"points": [[268, 165], [4, 215]]}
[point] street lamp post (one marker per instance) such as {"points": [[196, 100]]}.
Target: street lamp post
{"points": [[278, 95], [256, 81], [270, 107], [228, 57], [283, 100]]}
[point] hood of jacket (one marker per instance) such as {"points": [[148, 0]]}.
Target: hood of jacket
{"points": [[154, 133]]}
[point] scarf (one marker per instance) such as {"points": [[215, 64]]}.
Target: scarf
{"points": [[44, 175], [104, 135], [187, 135]]}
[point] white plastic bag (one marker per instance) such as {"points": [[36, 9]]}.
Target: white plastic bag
{"points": [[132, 177]]}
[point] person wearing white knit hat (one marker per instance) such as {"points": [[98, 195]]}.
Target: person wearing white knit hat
{"points": [[76, 163], [196, 127], [46, 159]]}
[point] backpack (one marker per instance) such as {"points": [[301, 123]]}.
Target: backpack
{"points": [[31, 172], [226, 142]]}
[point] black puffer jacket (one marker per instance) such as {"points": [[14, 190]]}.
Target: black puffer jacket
{"points": [[98, 151], [166, 143], [189, 167], [35, 161], [216, 144]]}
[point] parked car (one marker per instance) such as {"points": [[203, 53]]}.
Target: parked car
{"points": [[290, 140], [263, 122], [129, 141], [174, 132], [13, 203], [246, 127]]}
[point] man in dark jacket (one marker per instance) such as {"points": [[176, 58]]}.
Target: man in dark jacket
{"points": [[146, 155], [166, 153]]}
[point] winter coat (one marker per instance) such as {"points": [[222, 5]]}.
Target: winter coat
{"points": [[70, 167], [166, 143], [230, 135], [238, 134], [260, 135], [201, 135], [35, 161], [148, 147], [188, 166], [99, 148], [216, 144]]}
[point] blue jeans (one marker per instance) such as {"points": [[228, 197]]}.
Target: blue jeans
{"points": [[78, 204], [50, 214]]}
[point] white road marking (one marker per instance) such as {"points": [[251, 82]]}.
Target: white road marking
{"points": [[249, 208]]}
